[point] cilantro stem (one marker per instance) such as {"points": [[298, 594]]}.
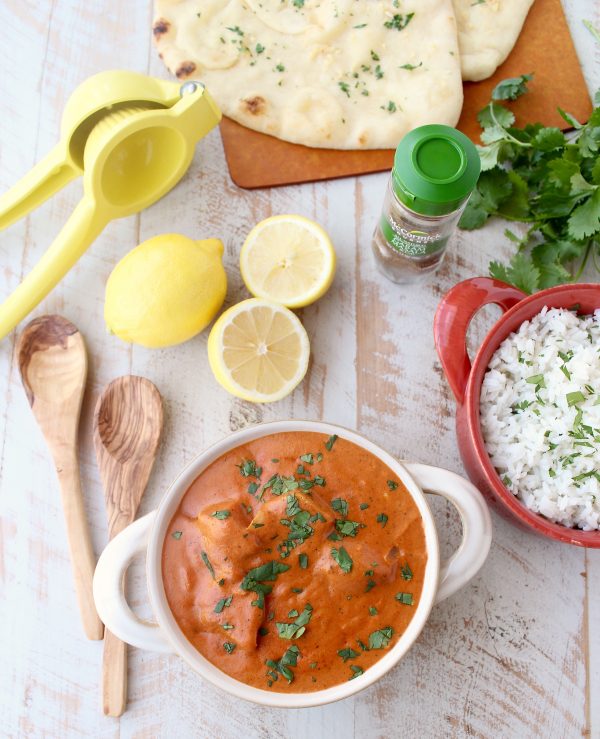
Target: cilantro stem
{"points": [[508, 135], [584, 261]]}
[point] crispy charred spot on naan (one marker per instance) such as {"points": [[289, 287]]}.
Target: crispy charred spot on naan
{"points": [[255, 105], [185, 70], [160, 27]]}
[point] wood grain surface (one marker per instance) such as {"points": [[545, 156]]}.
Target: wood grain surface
{"points": [[53, 367], [128, 422], [516, 653]]}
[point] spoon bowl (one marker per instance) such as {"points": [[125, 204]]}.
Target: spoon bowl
{"points": [[127, 427], [53, 365]]}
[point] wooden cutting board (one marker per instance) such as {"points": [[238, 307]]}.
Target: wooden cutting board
{"points": [[544, 47]]}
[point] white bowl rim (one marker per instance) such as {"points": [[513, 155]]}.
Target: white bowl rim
{"points": [[207, 669]]}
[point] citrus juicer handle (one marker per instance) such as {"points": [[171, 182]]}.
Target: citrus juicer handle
{"points": [[84, 225], [48, 176]]}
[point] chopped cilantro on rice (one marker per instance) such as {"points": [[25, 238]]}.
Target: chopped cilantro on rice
{"points": [[540, 416]]}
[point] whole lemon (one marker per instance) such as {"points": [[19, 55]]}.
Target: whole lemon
{"points": [[166, 290]]}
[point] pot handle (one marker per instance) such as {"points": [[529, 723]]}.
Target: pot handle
{"points": [[452, 319], [476, 524], [109, 589]]}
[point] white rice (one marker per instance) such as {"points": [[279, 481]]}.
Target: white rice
{"points": [[543, 435]]}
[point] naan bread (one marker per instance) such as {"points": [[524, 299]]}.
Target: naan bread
{"points": [[487, 32], [344, 74]]}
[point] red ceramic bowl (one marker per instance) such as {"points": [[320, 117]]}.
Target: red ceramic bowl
{"points": [[451, 322]]}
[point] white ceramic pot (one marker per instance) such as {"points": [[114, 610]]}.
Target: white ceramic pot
{"points": [[147, 534]]}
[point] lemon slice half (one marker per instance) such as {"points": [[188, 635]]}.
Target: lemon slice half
{"points": [[258, 350], [288, 259]]}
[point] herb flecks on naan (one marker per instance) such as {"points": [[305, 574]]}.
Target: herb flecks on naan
{"points": [[346, 74], [487, 32]]}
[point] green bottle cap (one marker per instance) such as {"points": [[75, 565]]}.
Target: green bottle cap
{"points": [[435, 169]]}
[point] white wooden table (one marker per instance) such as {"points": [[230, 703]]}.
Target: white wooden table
{"points": [[515, 654]]}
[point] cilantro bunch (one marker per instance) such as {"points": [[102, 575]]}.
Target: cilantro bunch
{"points": [[538, 176]]}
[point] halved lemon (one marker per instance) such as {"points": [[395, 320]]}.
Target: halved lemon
{"points": [[288, 259], [258, 350]]}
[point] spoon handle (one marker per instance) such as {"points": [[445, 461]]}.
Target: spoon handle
{"points": [[83, 561], [114, 675]]}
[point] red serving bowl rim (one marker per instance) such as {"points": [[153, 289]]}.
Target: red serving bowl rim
{"points": [[492, 340]]}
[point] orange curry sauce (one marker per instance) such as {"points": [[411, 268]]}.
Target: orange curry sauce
{"points": [[294, 562]]}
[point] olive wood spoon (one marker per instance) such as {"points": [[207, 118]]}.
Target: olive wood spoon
{"points": [[53, 365], [127, 426]]}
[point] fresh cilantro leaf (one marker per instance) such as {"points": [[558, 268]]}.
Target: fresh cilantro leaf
{"points": [[512, 88], [495, 114], [585, 219]]}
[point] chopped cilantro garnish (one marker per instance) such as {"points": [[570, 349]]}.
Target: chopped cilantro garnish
{"points": [[405, 598], [406, 572], [348, 653], [229, 646], [279, 485], [575, 397], [372, 610], [298, 627], [378, 72], [382, 519], [381, 638], [248, 468], [223, 603], [303, 561], [340, 506], [370, 585], [297, 590], [363, 506], [410, 67], [342, 558], [177, 534], [330, 442], [253, 487], [344, 87], [308, 458], [356, 671], [348, 528], [259, 48], [290, 657], [392, 484], [256, 578], [235, 29], [227, 627], [206, 561], [221, 515], [399, 21], [374, 56], [535, 379]]}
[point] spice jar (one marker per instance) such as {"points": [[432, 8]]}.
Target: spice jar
{"points": [[435, 170]]}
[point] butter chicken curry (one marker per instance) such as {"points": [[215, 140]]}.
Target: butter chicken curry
{"points": [[294, 562]]}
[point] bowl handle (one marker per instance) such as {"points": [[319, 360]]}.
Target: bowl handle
{"points": [[452, 319], [476, 525], [109, 588]]}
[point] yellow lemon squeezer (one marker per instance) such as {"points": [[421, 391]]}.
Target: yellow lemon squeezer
{"points": [[132, 137]]}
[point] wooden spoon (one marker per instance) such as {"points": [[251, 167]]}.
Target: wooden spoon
{"points": [[53, 366], [127, 426]]}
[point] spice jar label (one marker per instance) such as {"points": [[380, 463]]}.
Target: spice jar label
{"points": [[414, 242]]}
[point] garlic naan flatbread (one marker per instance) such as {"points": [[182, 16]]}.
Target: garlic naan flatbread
{"points": [[487, 32], [344, 74]]}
